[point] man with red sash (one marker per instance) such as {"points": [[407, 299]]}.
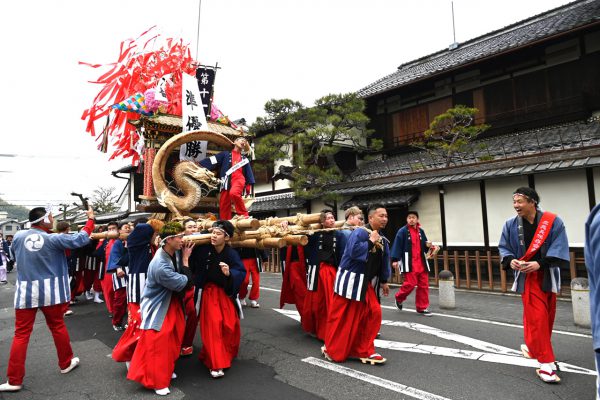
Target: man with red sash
{"points": [[534, 245], [592, 263], [235, 174]]}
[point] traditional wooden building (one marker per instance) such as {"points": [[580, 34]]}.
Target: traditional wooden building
{"points": [[537, 84]]}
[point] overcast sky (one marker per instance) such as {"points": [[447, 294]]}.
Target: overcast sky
{"points": [[298, 49]]}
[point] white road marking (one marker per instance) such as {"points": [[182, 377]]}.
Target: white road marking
{"points": [[374, 380], [485, 321], [494, 354], [455, 337], [474, 355]]}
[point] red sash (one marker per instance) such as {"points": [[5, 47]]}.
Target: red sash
{"points": [[540, 236]]}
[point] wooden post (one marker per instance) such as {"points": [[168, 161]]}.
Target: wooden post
{"points": [[446, 266], [503, 287], [490, 270], [573, 265], [478, 270], [456, 269], [467, 269], [436, 268]]}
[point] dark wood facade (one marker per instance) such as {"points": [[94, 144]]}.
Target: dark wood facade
{"points": [[553, 81]]}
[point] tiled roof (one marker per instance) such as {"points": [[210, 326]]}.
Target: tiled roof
{"points": [[569, 146], [558, 137], [275, 202], [520, 34], [385, 198]]}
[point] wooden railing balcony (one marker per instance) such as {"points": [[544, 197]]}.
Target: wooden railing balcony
{"points": [[476, 270]]}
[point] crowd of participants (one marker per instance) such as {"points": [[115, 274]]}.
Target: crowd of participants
{"points": [[159, 289]]}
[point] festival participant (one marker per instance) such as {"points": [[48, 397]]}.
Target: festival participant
{"points": [[353, 217], [355, 314], [6, 246], [252, 260], [218, 273], [107, 284], [116, 267], [63, 227], [293, 284], [140, 250], [409, 253], [41, 258], [235, 174], [4, 258], [162, 325], [91, 282], [592, 263], [534, 245], [189, 306], [323, 252]]}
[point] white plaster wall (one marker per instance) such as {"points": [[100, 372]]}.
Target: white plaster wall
{"points": [[498, 197], [565, 193], [262, 187], [282, 183], [317, 205], [464, 222], [428, 207]]}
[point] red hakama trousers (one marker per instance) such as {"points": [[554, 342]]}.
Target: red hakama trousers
{"points": [[124, 349], [78, 284], [353, 326], [293, 287], [316, 303], [412, 280], [191, 318], [219, 328], [251, 270], [539, 310], [310, 310], [24, 319], [153, 361], [91, 281], [108, 291], [325, 297], [233, 196], [119, 305]]}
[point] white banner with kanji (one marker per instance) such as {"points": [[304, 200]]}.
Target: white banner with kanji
{"points": [[193, 119]]}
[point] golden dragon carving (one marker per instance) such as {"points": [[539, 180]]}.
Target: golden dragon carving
{"points": [[187, 175]]}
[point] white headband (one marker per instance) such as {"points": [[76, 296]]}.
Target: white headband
{"points": [[163, 241], [45, 217]]}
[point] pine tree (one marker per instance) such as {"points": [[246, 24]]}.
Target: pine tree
{"points": [[312, 136], [450, 135]]}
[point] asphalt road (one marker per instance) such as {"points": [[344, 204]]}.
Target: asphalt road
{"points": [[467, 353]]}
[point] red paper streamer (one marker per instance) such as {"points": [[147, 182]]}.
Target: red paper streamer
{"points": [[137, 68]]}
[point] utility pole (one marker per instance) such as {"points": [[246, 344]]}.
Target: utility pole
{"points": [[64, 210]]}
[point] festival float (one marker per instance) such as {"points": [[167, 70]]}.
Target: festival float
{"points": [[155, 106]]}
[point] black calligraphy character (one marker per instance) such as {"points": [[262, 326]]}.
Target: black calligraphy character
{"points": [[190, 100], [193, 149], [193, 123]]}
